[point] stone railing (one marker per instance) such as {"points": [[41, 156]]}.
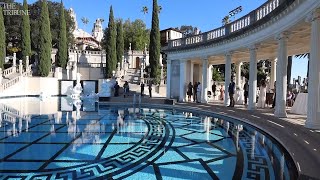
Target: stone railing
{"points": [[254, 18], [9, 71], [91, 65], [10, 83]]}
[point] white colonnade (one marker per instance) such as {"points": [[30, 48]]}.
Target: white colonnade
{"points": [[313, 118], [281, 84], [252, 79], [204, 96], [227, 77]]}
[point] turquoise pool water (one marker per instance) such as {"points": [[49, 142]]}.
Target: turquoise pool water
{"points": [[93, 141]]}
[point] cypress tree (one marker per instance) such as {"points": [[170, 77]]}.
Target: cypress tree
{"points": [[62, 55], [120, 42], [45, 41], [26, 41], [154, 46], [111, 56], [2, 39]]}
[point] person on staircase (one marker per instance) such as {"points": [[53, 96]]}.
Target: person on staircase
{"points": [[142, 89], [150, 88], [116, 89], [126, 89]]}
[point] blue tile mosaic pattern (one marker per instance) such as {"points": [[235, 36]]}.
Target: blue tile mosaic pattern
{"points": [[118, 142]]}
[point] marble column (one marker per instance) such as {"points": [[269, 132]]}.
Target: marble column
{"points": [[281, 84], [210, 82], [20, 67], [14, 60], [200, 73], [227, 78], [252, 99], [313, 116], [168, 79], [238, 74], [191, 72], [204, 96], [273, 72], [182, 89]]}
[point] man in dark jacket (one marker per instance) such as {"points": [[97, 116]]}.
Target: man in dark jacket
{"points": [[231, 91], [195, 90], [142, 89]]}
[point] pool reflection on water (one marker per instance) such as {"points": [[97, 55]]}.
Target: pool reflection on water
{"points": [[64, 139]]}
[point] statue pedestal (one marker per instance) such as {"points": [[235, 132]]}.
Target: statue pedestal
{"points": [[105, 89], [161, 89]]}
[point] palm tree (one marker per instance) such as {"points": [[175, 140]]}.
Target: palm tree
{"points": [[226, 20], [85, 21], [145, 10], [159, 9], [304, 55]]}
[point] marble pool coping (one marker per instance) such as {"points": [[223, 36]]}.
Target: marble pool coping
{"points": [[302, 144]]}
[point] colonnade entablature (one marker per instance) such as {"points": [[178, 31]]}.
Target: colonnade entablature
{"points": [[274, 31], [282, 18]]}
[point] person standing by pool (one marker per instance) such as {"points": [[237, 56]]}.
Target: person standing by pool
{"points": [[221, 93], [142, 88], [231, 91], [116, 89], [275, 95], [150, 88], [189, 92], [214, 88], [126, 89], [195, 88], [246, 91], [199, 92]]}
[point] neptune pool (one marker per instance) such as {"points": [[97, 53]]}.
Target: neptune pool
{"points": [[61, 139]]}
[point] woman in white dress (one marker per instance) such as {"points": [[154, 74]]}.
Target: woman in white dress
{"points": [[262, 95]]}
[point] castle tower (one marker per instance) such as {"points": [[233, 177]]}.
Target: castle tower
{"points": [[74, 18], [97, 31]]}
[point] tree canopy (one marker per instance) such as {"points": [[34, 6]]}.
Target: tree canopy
{"points": [[13, 26], [26, 41], [120, 42], [62, 55], [111, 54], [135, 33], [154, 46], [2, 40], [45, 45]]}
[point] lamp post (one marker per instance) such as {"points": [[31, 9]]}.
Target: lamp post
{"points": [[161, 75], [113, 73], [141, 74]]}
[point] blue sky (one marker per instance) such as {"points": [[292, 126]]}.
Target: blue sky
{"points": [[204, 14]]}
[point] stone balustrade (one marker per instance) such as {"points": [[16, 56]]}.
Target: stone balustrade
{"points": [[92, 65], [255, 17], [10, 83], [216, 33], [266, 8], [15, 80], [9, 71]]}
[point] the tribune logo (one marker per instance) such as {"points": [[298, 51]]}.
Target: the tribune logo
{"points": [[11, 9]]}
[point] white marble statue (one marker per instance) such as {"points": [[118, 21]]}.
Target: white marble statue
{"points": [[77, 90], [106, 88]]}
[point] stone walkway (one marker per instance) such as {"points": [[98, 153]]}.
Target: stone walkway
{"points": [[303, 144]]}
